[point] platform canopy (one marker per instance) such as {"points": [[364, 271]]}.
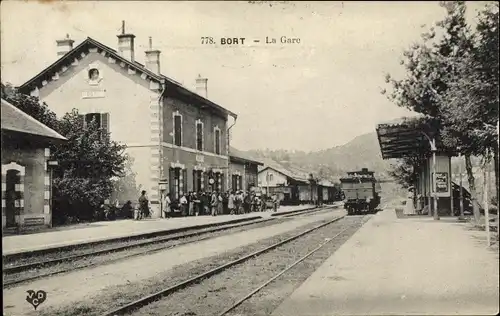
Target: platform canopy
{"points": [[406, 136]]}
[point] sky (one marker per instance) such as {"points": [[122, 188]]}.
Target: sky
{"points": [[312, 95]]}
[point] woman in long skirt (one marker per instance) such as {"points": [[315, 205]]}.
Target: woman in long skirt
{"points": [[409, 207]]}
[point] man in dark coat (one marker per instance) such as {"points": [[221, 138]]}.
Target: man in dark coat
{"points": [[143, 204]]}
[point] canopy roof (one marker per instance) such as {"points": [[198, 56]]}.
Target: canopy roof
{"points": [[407, 136]]}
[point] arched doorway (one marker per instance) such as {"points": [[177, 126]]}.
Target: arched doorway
{"points": [[12, 192], [12, 198]]}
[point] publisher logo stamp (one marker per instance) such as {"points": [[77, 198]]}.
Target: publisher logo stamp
{"points": [[36, 298]]}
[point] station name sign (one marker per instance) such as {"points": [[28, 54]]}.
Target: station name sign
{"points": [[93, 94]]}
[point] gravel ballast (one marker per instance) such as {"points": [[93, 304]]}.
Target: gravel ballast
{"points": [[104, 287], [111, 257], [213, 295]]}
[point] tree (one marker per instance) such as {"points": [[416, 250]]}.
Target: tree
{"points": [[88, 162], [404, 171], [431, 68], [30, 105], [471, 103]]}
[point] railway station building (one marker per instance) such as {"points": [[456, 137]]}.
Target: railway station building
{"points": [[26, 181], [177, 138], [294, 185], [243, 171], [415, 137]]}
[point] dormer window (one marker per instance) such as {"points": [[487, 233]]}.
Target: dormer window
{"points": [[93, 74]]}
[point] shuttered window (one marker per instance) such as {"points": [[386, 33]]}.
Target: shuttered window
{"points": [[217, 141], [199, 136], [197, 180], [177, 130], [175, 183], [102, 120]]}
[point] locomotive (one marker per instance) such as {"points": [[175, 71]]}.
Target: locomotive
{"points": [[361, 192]]}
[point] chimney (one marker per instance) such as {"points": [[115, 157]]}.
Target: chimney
{"points": [[201, 86], [153, 58], [126, 44], [64, 45]]}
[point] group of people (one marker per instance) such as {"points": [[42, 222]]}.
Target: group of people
{"points": [[215, 203], [194, 204]]}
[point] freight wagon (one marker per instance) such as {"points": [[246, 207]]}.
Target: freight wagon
{"points": [[361, 192]]}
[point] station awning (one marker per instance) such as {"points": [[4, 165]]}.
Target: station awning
{"points": [[405, 137]]}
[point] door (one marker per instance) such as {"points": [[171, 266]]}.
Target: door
{"points": [[13, 178]]}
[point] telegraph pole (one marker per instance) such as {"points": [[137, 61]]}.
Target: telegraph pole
{"points": [[486, 174], [434, 185], [461, 190], [496, 186]]}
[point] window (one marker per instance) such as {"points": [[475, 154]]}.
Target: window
{"points": [[199, 135], [101, 119], [197, 180], [93, 74], [177, 129], [217, 144], [177, 183], [235, 182]]}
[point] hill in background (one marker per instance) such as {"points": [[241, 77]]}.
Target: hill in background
{"points": [[362, 152]]}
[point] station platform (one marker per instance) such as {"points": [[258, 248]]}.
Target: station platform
{"points": [[407, 266], [101, 231]]}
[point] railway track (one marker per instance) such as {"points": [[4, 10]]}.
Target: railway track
{"points": [[162, 242], [146, 300]]}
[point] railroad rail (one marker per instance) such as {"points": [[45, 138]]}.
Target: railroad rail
{"points": [[135, 305], [258, 289], [142, 243]]}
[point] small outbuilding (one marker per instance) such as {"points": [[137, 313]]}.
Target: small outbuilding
{"points": [[26, 182], [418, 138]]}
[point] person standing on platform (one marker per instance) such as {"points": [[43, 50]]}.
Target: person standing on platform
{"points": [[263, 203], [184, 205], [214, 203], [166, 205], [275, 202], [409, 207], [220, 209], [237, 202], [197, 203], [143, 205], [230, 203], [246, 203], [225, 202], [205, 204], [190, 199]]}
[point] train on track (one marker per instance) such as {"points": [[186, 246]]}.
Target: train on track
{"points": [[361, 192]]}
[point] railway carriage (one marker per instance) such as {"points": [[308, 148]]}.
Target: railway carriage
{"points": [[361, 192]]}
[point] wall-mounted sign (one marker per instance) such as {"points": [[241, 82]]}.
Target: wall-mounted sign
{"points": [[93, 94], [441, 182], [163, 185], [34, 221], [200, 158]]}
